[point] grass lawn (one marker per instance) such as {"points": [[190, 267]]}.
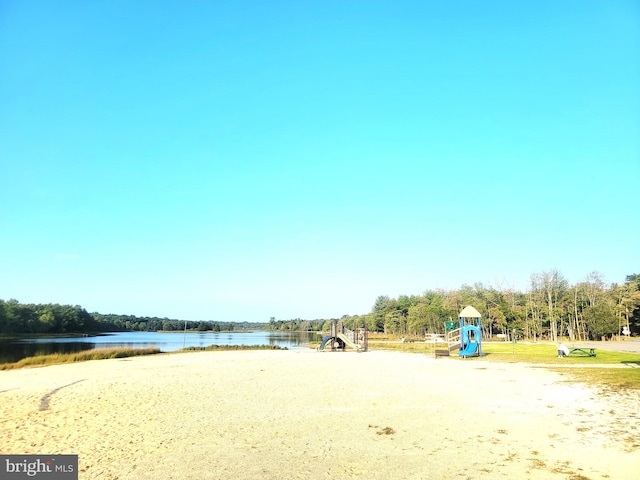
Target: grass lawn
{"points": [[545, 354], [610, 379]]}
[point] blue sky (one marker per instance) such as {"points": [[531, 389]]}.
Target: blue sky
{"points": [[240, 160]]}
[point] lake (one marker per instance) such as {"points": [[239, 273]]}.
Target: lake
{"points": [[15, 350]]}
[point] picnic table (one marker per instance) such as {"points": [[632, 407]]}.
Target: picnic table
{"points": [[590, 352]]}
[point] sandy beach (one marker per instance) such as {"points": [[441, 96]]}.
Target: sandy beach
{"points": [[303, 414]]}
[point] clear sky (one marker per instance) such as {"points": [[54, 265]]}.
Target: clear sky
{"points": [[236, 161]]}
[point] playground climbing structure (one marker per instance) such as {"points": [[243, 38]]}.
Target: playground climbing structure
{"points": [[467, 338], [341, 337]]}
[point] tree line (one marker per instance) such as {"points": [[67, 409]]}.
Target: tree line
{"points": [[131, 323], [551, 308], [16, 317], [22, 318]]}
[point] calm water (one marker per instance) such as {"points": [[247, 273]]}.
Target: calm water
{"points": [[13, 351]]}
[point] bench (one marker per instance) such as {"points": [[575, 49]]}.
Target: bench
{"points": [[589, 352]]}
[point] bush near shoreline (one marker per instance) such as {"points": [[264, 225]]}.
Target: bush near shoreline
{"points": [[118, 352], [85, 355]]}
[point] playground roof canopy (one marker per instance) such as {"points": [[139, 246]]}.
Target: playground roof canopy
{"points": [[469, 312]]}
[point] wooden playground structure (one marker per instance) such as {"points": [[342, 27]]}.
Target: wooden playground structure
{"points": [[341, 337]]}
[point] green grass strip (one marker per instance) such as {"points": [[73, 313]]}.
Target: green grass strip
{"points": [[542, 353], [547, 353], [232, 347]]}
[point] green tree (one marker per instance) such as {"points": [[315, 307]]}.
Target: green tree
{"points": [[381, 307], [393, 322], [47, 320], [3, 317], [601, 320], [555, 287], [417, 317], [634, 317], [423, 318], [548, 291], [497, 318]]}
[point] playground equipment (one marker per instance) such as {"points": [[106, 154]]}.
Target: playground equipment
{"points": [[467, 338], [341, 337]]}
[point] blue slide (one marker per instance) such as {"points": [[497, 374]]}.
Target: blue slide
{"points": [[469, 341], [325, 339], [328, 338]]}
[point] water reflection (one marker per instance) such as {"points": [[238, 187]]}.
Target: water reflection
{"points": [[13, 351]]}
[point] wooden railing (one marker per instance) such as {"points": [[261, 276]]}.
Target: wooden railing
{"points": [[350, 334], [359, 337], [453, 336], [454, 342]]}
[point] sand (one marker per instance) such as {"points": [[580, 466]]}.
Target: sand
{"points": [[303, 414]]}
